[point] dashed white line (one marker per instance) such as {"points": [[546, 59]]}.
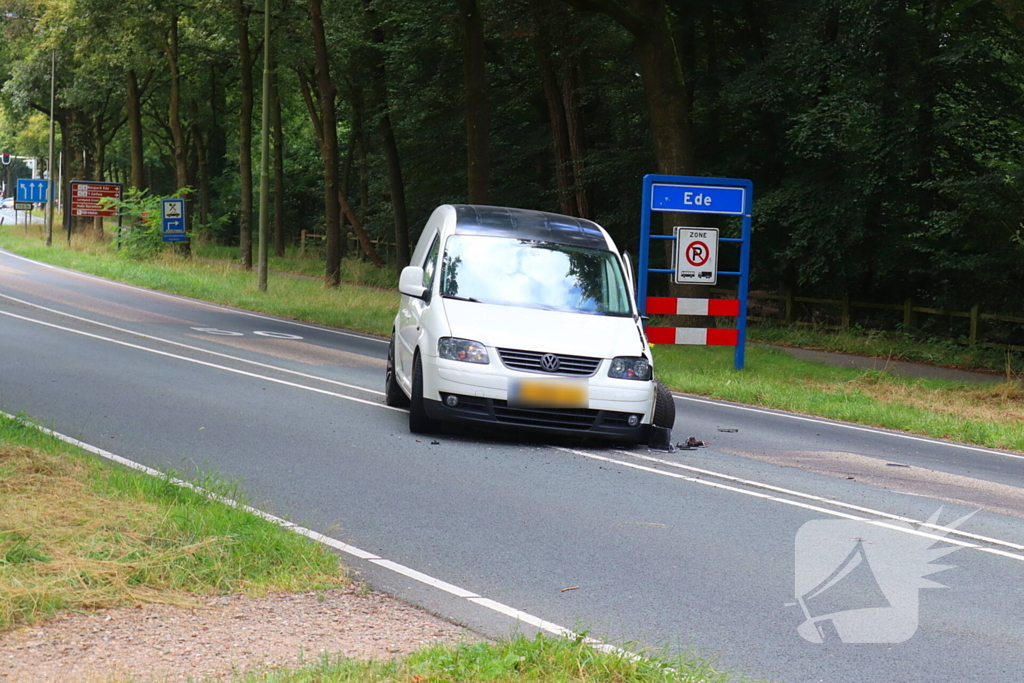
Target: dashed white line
{"points": [[207, 304], [197, 349], [196, 361]]}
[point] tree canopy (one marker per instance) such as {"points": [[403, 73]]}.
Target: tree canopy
{"points": [[885, 139]]}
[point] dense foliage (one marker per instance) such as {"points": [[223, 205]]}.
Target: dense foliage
{"points": [[885, 139]]}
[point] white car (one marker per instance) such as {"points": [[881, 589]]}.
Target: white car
{"points": [[7, 203], [524, 319]]}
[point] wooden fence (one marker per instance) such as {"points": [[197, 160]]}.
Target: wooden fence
{"points": [[788, 309], [353, 242]]}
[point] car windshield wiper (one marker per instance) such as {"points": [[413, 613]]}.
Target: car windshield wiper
{"points": [[461, 298]]}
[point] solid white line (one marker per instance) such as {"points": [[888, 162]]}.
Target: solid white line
{"points": [[784, 501], [845, 425], [426, 579], [524, 617], [180, 297], [191, 348], [206, 364], [820, 499]]}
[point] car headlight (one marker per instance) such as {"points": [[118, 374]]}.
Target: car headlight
{"points": [[625, 367], [464, 350]]}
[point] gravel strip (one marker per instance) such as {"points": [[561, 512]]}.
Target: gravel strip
{"points": [[230, 633]]}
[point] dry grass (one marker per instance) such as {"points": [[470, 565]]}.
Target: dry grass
{"points": [[64, 546], [76, 535], [991, 403]]}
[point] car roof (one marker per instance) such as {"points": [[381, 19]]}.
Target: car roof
{"points": [[527, 224]]}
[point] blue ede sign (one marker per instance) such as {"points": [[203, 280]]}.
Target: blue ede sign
{"points": [[697, 199]]}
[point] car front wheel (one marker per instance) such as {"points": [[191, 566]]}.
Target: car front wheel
{"points": [[419, 421], [393, 394]]}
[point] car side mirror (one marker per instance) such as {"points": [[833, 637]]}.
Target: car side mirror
{"points": [[410, 282]]}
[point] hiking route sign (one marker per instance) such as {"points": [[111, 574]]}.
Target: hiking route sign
{"points": [[86, 196]]}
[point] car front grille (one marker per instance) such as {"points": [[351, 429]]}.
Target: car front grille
{"points": [[530, 361], [560, 418]]}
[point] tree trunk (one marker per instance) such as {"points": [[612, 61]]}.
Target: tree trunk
{"points": [[278, 167], [542, 50], [394, 167], [174, 122], [98, 161], [134, 107], [478, 154], [245, 62], [574, 129], [328, 143]]}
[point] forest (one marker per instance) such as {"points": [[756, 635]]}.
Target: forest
{"points": [[884, 138]]}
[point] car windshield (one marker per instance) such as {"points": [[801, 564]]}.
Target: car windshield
{"points": [[513, 272]]}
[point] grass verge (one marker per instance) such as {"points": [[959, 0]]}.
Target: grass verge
{"points": [[986, 415], [893, 346], [518, 658], [78, 534]]}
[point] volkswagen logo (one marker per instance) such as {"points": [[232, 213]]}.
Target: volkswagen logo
{"points": [[549, 362]]}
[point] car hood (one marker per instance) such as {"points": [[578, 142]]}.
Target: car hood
{"points": [[529, 329]]}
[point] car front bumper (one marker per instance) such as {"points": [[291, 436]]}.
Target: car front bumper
{"points": [[617, 409]]}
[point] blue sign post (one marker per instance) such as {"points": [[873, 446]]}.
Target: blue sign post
{"points": [[172, 213], [32, 190], [691, 194]]}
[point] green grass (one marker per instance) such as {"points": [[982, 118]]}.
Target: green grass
{"points": [[519, 659], [893, 346], [353, 270], [78, 534], [987, 415]]}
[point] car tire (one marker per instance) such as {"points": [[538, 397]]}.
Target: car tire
{"points": [[664, 406], [419, 421], [393, 394]]}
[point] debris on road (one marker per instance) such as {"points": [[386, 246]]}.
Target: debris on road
{"points": [[690, 444]]}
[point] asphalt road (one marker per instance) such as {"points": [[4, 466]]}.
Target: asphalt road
{"points": [[699, 550]]}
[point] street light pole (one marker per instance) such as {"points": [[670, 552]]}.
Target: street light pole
{"points": [[49, 162], [265, 153]]}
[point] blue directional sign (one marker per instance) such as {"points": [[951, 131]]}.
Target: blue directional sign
{"points": [[172, 212], [697, 199], [32, 190]]}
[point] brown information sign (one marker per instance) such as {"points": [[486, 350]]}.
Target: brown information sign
{"points": [[86, 196]]}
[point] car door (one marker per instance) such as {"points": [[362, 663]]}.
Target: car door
{"points": [[411, 314]]}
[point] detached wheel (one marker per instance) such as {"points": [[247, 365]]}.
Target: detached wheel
{"points": [[419, 421], [393, 394], [664, 406]]}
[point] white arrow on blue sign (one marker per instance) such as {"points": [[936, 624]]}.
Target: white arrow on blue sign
{"points": [[32, 190], [172, 213]]}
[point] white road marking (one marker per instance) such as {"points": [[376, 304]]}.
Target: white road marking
{"points": [[207, 304], [845, 425], [794, 503], [194, 348], [352, 550], [205, 364]]}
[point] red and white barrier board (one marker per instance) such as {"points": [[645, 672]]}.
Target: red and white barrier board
{"points": [[697, 336]]}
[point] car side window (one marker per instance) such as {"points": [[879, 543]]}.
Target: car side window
{"points": [[430, 265]]}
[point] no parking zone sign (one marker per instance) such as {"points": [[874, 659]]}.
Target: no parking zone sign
{"points": [[695, 256]]}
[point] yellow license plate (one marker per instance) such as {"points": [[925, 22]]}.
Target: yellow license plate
{"points": [[548, 393]]}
